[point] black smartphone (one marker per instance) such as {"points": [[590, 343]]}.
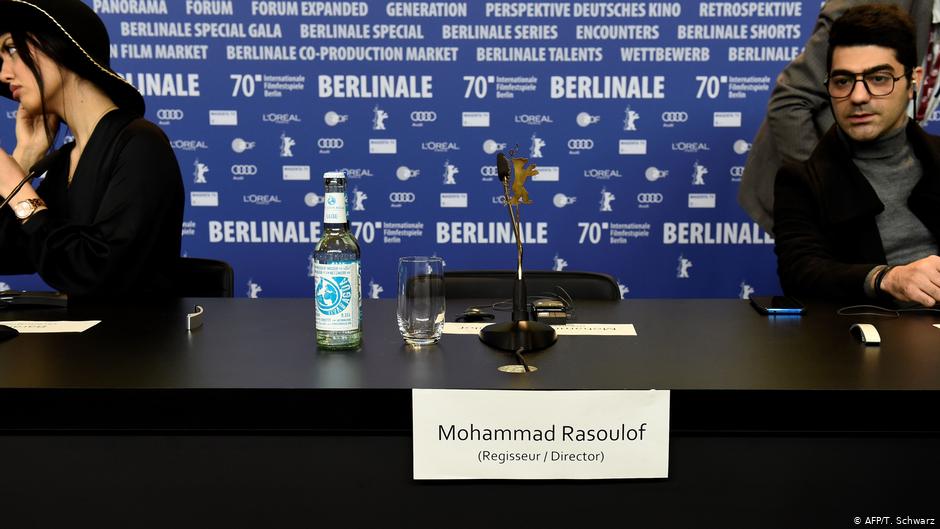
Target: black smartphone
{"points": [[777, 305]]}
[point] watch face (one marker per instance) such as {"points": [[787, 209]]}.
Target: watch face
{"points": [[25, 208]]}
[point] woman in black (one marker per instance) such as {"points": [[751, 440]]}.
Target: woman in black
{"points": [[106, 219]]}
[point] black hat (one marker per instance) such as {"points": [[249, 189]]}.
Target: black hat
{"points": [[81, 26]]}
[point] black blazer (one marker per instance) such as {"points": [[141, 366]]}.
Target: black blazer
{"points": [[827, 240]]}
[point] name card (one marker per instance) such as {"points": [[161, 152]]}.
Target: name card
{"points": [[571, 329], [484, 434]]}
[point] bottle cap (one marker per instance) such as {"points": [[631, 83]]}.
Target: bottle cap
{"points": [[334, 174]]}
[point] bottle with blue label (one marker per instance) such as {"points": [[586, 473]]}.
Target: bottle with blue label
{"points": [[336, 273]]}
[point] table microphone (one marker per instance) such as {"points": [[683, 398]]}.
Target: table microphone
{"points": [[520, 334]]}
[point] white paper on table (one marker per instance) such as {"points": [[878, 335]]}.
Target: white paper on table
{"points": [[25, 326], [571, 329]]}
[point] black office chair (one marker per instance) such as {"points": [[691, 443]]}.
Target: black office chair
{"points": [[499, 284], [204, 278]]}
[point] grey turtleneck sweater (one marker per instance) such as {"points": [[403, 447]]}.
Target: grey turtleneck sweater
{"points": [[889, 165]]}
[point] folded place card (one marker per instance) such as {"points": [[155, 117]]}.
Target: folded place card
{"points": [[495, 434], [571, 329], [25, 327]]}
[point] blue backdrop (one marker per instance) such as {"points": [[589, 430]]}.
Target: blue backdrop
{"points": [[638, 114]]}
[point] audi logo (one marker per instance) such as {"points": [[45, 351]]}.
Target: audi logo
{"points": [[401, 197], [580, 144], [244, 170], [650, 198], [423, 116], [169, 114], [488, 170], [737, 171], [330, 143], [675, 117]]}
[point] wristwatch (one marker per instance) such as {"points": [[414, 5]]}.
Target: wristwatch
{"points": [[27, 208]]}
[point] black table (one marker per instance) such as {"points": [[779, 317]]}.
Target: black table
{"points": [[776, 422]]}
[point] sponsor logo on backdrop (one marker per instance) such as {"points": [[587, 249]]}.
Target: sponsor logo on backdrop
{"points": [[629, 147], [375, 289], [333, 119], [280, 119], [682, 271], [726, 119], [736, 172], [698, 174], [404, 174], [602, 174], [576, 145], [209, 199], [498, 199], [450, 170], [672, 118], [741, 147], [690, 146], [311, 262], [189, 145], [254, 290], [453, 200], [492, 147], [475, 119], [624, 290], [702, 200], [287, 146], [583, 119], [188, 229], [328, 145], [399, 198], [644, 200], [653, 174], [606, 198], [261, 200], [240, 171], [295, 172], [532, 119], [535, 148], [223, 118], [731, 233], [561, 200], [312, 200], [355, 173], [378, 118], [745, 290], [11, 114], [488, 172], [420, 117], [439, 146], [383, 146], [240, 145], [359, 199], [165, 116], [199, 172], [548, 173], [559, 263], [630, 119]]}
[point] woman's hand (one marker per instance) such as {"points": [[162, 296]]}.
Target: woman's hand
{"points": [[31, 140]]}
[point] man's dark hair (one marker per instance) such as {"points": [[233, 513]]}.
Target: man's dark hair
{"points": [[876, 25]]}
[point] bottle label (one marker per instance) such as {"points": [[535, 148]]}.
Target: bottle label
{"points": [[334, 208], [337, 295]]}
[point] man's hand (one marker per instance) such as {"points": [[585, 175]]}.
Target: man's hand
{"points": [[31, 141], [918, 281]]}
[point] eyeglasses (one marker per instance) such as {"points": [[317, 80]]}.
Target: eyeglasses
{"points": [[877, 83]]}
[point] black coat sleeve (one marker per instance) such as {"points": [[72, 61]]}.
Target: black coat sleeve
{"points": [[806, 259]]}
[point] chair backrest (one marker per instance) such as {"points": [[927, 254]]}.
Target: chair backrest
{"points": [[492, 284], [204, 278]]}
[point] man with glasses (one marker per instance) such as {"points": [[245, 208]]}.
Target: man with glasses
{"points": [[861, 217]]}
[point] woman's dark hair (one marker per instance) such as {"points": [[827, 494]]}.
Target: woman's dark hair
{"points": [[57, 47], [876, 25]]}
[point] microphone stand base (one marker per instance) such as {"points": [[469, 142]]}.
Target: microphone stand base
{"points": [[510, 336]]}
